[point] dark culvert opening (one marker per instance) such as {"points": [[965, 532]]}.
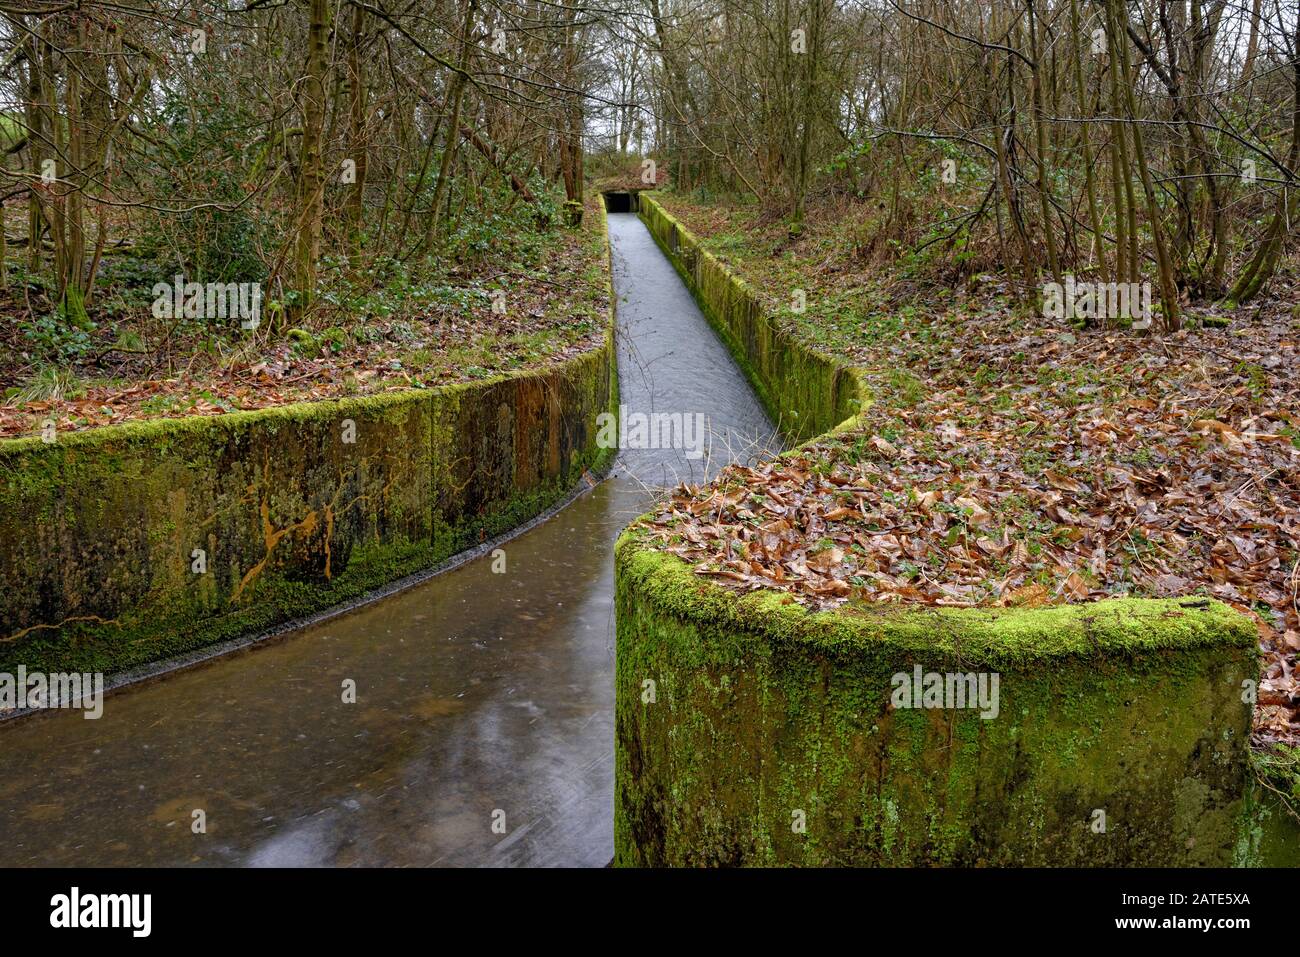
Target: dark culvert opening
{"points": [[620, 202]]}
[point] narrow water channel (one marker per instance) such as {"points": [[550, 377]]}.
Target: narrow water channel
{"points": [[477, 693]]}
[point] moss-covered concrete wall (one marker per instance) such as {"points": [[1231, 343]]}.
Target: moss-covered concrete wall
{"points": [[1270, 835], [805, 393], [750, 731], [291, 510]]}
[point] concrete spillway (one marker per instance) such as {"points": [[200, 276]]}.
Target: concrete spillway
{"points": [[483, 696]]}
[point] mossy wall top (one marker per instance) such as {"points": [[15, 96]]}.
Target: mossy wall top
{"points": [[763, 709], [133, 543], [810, 393]]}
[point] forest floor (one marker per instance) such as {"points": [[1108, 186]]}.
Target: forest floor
{"points": [[1014, 460], [390, 328]]}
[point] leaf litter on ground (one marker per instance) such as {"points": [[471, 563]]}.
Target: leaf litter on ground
{"points": [[1027, 462]]}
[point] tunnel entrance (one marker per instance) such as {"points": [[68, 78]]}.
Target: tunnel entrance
{"points": [[621, 202]]}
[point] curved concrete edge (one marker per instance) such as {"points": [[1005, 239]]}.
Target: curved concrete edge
{"points": [[751, 731], [163, 541]]}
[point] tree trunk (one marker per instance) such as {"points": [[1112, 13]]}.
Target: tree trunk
{"points": [[311, 170], [358, 147], [1171, 318], [1094, 212], [1261, 266]]}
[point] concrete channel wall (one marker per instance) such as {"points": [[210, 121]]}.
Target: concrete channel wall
{"points": [[750, 731], [132, 544]]}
